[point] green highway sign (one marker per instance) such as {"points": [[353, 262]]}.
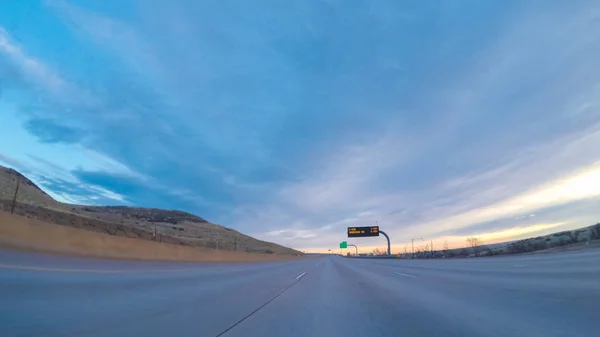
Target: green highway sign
{"points": [[343, 244]]}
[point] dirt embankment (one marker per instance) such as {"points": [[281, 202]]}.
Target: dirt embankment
{"points": [[24, 233], [149, 224], [52, 216]]}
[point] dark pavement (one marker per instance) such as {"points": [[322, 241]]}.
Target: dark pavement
{"points": [[532, 295]]}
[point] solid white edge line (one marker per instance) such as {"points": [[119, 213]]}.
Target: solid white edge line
{"points": [[96, 271], [300, 276], [66, 270], [409, 275]]}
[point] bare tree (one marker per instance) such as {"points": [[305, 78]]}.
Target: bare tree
{"points": [[446, 249], [474, 243], [419, 253], [379, 251]]}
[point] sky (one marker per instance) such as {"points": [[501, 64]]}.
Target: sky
{"points": [[292, 120]]}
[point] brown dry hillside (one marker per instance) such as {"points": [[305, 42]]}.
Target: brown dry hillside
{"points": [[169, 226], [29, 193]]}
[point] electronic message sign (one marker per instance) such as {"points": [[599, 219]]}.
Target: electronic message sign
{"points": [[359, 232]]}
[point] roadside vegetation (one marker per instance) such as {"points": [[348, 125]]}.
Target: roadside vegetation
{"points": [[475, 247]]}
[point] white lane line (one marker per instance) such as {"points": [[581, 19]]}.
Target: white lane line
{"points": [[93, 271], [409, 275], [300, 276], [316, 265], [519, 265], [64, 270]]}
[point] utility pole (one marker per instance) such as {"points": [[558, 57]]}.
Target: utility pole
{"points": [[12, 209]]}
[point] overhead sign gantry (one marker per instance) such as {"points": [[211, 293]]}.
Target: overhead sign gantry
{"points": [[367, 231]]}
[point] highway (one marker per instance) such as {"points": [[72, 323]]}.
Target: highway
{"points": [[531, 295]]}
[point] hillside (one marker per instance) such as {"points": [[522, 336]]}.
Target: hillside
{"points": [[169, 226], [29, 193]]}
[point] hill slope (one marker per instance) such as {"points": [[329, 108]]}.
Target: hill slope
{"points": [[169, 226], [29, 193]]}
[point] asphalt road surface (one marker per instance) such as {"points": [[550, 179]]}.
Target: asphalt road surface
{"points": [[535, 295]]}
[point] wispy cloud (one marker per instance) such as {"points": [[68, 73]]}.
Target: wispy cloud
{"points": [[31, 68], [13, 163], [291, 122]]}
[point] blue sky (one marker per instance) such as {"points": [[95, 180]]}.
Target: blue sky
{"points": [[290, 120]]}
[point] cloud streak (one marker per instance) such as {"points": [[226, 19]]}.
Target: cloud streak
{"points": [[293, 121]]}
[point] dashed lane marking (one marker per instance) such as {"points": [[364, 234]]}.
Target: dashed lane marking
{"points": [[300, 276]]}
